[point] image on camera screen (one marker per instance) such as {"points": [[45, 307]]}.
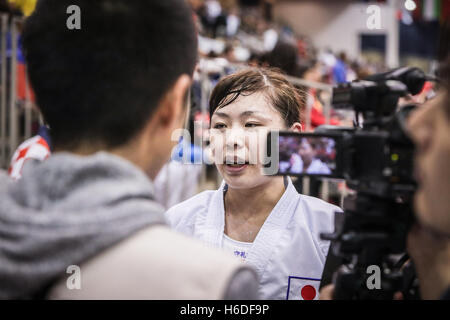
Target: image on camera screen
{"points": [[300, 155]]}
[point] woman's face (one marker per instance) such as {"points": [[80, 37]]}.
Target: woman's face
{"points": [[238, 137], [306, 152], [430, 129]]}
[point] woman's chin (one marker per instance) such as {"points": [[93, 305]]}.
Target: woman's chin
{"points": [[237, 182], [247, 178], [244, 182]]}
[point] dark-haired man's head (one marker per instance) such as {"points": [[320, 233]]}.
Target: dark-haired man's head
{"points": [[310, 70], [119, 82], [284, 57], [307, 152]]}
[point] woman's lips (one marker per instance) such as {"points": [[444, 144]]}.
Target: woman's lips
{"points": [[235, 168]]}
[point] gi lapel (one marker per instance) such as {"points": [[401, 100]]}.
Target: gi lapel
{"points": [[210, 224], [272, 229]]}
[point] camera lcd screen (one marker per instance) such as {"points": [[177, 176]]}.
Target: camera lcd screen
{"points": [[307, 155]]}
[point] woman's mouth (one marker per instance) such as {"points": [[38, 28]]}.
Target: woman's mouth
{"points": [[235, 168]]}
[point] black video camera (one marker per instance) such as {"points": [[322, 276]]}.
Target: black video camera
{"points": [[375, 158]]}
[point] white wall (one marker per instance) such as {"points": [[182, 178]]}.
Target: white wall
{"points": [[338, 24]]}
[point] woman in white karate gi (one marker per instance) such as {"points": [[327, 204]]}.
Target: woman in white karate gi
{"points": [[260, 219]]}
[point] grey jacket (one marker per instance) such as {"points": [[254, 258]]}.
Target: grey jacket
{"points": [[69, 210]]}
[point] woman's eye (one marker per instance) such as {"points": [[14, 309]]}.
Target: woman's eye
{"points": [[219, 126], [252, 125]]}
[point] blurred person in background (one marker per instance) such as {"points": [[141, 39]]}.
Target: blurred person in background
{"points": [[312, 164], [260, 219], [7, 7], [311, 71], [285, 57], [340, 69], [213, 18], [290, 160], [112, 99]]}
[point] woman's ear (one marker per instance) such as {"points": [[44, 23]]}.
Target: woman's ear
{"points": [[297, 127]]}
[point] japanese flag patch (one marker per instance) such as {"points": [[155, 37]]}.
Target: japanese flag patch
{"points": [[302, 288]]}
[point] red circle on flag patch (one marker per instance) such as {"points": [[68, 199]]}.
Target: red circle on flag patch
{"points": [[308, 292]]}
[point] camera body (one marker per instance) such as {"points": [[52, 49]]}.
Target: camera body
{"points": [[376, 160]]}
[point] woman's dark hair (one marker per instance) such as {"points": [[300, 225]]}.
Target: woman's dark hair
{"points": [[282, 95]]}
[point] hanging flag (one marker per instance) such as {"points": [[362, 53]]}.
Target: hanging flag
{"points": [[33, 148], [430, 10]]}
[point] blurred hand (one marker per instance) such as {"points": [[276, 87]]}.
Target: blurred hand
{"points": [[431, 255], [327, 292]]}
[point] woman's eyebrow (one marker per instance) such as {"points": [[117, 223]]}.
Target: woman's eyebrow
{"points": [[251, 113], [243, 114], [221, 114], [247, 113]]}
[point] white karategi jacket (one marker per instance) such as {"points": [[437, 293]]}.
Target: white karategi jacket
{"points": [[287, 253]]}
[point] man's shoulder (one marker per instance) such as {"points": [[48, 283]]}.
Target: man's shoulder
{"points": [[155, 263]]}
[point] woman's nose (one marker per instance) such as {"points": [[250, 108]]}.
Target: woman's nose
{"points": [[235, 138]]}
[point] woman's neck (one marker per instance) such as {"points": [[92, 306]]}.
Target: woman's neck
{"points": [[257, 201], [247, 210]]}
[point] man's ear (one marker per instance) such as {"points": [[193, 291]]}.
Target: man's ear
{"points": [[297, 127], [172, 107]]}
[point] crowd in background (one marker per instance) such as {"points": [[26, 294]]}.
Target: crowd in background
{"points": [[234, 33]]}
